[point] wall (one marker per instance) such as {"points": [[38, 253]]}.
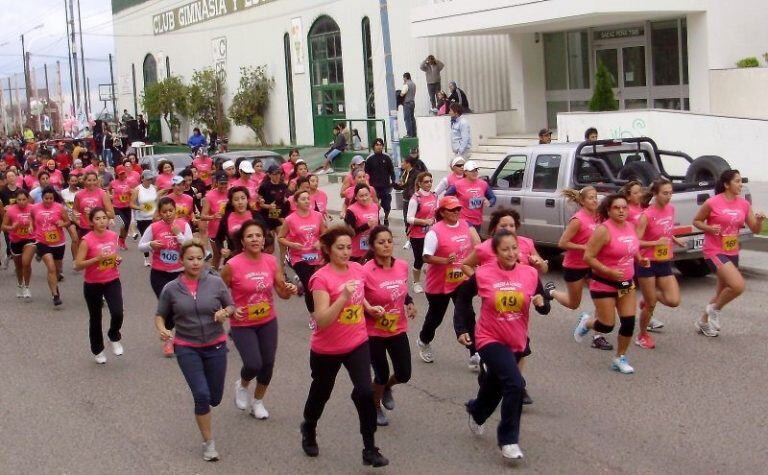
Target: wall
{"points": [[727, 92], [742, 142]]}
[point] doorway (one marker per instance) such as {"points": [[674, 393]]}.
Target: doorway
{"points": [[327, 78], [626, 64]]}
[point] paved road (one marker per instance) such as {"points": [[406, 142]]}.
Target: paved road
{"points": [[695, 405]]}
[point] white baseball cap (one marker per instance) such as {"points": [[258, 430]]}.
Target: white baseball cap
{"points": [[470, 166], [246, 167], [228, 164], [457, 161]]}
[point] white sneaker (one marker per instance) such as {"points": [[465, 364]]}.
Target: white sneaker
{"points": [[713, 315], [19, 291], [117, 348], [581, 329], [474, 362], [621, 365], [655, 325], [706, 328], [407, 245], [147, 262], [242, 396], [209, 451], [511, 451], [425, 352], [101, 358], [258, 410], [417, 288], [27, 293], [474, 427]]}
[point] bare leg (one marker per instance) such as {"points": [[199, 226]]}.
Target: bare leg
{"points": [[648, 289], [571, 299], [260, 391], [626, 306], [26, 263], [204, 424], [51, 276]]}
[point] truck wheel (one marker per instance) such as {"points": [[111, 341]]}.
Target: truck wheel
{"points": [[693, 268], [706, 168], [643, 172]]}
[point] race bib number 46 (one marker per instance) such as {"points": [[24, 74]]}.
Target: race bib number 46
{"points": [[351, 315], [509, 301]]}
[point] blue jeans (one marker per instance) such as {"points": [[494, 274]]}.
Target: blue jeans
{"points": [[409, 108], [333, 153], [502, 382], [205, 370]]}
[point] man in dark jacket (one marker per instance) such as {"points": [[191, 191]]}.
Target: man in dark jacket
{"points": [[381, 171], [458, 96]]}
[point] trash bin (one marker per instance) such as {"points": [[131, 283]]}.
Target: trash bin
{"points": [[398, 195], [406, 144]]}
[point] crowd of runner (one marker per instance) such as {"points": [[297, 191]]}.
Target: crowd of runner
{"points": [[219, 239]]}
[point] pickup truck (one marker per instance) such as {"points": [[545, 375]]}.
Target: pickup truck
{"points": [[531, 179]]}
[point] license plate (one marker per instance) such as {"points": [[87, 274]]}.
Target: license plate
{"points": [[697, 243]]}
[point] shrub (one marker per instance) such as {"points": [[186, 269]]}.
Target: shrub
{"points": [[750, 62], [603, 98]]}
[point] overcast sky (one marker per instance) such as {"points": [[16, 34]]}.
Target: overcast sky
{"points": [[48, 43]]}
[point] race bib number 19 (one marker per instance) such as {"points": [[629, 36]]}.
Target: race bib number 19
{"points": [[509, 301]]}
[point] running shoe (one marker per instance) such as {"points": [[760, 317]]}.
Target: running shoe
{"points": [[374, 458], [581, 329], [645, 341], [474, 362], [258, 410], [299, 286], [655, 325], [381, 418], [117, 348], [309, 440], [168, 348], [387, 400], [27, 293], [121, 243], [135, 236], [209, 451], [56, 300], [621, 365], [407, 245], [60, 277], [526, 398], [147, 262], [713, 315], [242, 396], [19, 292], [706, 329], [601, 343], [425, 352], [474, 427], [511, 451], [549, 287], [417, 288], [386, 222], [101, 358]]}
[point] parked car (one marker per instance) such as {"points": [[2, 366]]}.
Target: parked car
{"points": [[531, 180], [179, 160], [267, 157], [53, 144]]}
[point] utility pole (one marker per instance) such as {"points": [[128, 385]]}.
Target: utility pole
{"points": [[390, 81], [86, 84], [73, 49], [25, 60], [10, 98], [18, 103], [69, 58], [59, 100], [114, 92], [2, 111]]}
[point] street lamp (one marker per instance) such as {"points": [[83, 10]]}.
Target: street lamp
{"points": [[25, 63]]}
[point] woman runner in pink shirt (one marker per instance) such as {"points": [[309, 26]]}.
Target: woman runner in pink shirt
{"points": [[633, 192], [164, 177], [120, 190], [612, 252], [362, 215], [420, 217], [50, 218], [90, 197], [204, 165], [236, 212], [340, 338], [97, 254], [506, 289], [317, 197], [252, 276], [657, 282], [386, 286], [17, 222], [184, 202], [214, 205], [721, 218]]}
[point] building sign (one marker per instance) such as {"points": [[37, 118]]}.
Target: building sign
{"points": [[619, 33], [297, 45], [199, 11], [219, 56]]}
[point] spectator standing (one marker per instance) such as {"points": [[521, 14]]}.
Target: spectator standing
{"points": [[461, 138], [545, 136], [142, 128], [408, 93], [381, 171], [126, 116], [458, 96], [432, 68], [196, 140]]}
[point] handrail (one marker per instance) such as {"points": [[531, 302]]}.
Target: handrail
{"points": [[349, 123]]}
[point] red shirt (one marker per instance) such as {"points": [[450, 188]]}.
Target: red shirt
{"points": [[63, 160]]}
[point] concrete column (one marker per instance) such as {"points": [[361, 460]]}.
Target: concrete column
{"points": [[698, 62]]}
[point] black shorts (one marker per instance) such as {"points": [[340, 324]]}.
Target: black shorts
{"points": [[125, 214], [56, 251], [17, 248], [595, 294], [526, 352], [81, 232], [719, 260], [656, 269], [573, 275]]}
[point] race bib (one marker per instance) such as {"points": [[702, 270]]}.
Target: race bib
{"points": [[148, 207], [388, 322], [627, 291], [108, 263], [181, 212], [123, 198], [351, 315], [309, 257], [51, 236], [364, 242], [509, 301], [730, 243], [274, 213], [222, 207], [454, 275], [258, 311], [23, 230], [204, 175], [169, 256], [661, 252], [475, 203]]}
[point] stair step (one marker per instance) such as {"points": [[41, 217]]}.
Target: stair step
{"points": [[485, 148]]}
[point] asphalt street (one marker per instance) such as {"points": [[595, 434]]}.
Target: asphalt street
{"points": [[694, 405]]}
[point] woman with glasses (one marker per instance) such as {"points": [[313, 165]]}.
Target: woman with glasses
{"points": [[420, 216]]}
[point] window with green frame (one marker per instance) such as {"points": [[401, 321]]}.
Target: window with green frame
{"points": [[326, 68], [368, 62]]}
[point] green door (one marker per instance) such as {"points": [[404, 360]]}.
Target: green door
{"points": [[327, 78]]}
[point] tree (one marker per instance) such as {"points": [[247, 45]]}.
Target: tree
{"points": [[252, 99], [603, 98], [168, 99], [206, 100]]}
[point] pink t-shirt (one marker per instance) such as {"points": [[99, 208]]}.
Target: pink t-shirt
{"points": [[454, 178], [525, 248], [104, 245], [362, 215], [235, 222], [184, 206], [252, 284], [121, 193], [217, 201], [204, 166], [387, 288], [440, 278], [85, 201], [633, 213], [347, 331], [287, 169], [506, 299], [55, 178], [250, 185], [133, 178], [318, 201], [46, 230], [163, 181], [427, 205], [31, 182], [572, 258], [306, 231], [471, 194], [22, 216], [350, 192], [168, 257], [619, 254], [731, 216], [661, 223]]}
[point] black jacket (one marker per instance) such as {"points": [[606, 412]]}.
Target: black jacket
{"points": [[380, 169]]}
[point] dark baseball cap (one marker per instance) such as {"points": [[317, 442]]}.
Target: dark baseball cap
{"points": [[274, 169], [221, 177], [545, 132]]}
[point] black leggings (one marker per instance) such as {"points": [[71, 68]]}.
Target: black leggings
{"points": [[112, 292], [125, 214], [141, 226], [399, 352], [324, 370], [158, 279], [438, 305], [305, 271], [384, 194], [257, 346], [417, 244]]}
